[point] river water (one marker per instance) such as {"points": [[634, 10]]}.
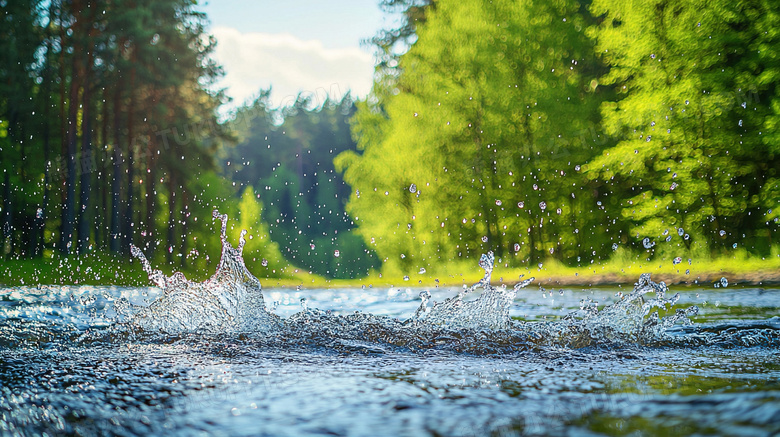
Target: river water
{"points": [[225, 358]]}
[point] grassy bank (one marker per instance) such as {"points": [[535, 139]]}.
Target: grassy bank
{"points": [[104, 269]]}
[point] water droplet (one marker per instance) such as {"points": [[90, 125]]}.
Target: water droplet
{"points": [[686, 237], [724, 282], [521, 204], [39, 213], [677, 260], [484, 239], [264, 262], [312, 246], [734, 245], [422, 270], [614, 246], [647, 243], [722, 233], [498, 202], [673, 186], [413, 188], [576, 168], [517, 247], [403, 256], [336, 253], [680, 231], [669, 238], [406, 278], [543, 205]]}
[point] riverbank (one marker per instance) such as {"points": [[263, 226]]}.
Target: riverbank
{"points": [[102, 269]]}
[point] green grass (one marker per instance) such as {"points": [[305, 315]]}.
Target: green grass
{"points": [[622, 268]]}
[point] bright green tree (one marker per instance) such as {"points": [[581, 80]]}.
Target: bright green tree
{"points": [[694, 91]]}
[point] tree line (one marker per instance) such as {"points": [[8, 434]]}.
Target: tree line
{"points": [[108, 125], [569, 130]]}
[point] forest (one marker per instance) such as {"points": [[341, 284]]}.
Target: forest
{"points": [[567, 132]]}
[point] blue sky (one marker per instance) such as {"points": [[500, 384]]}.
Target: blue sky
{"points": [[294, 46]]}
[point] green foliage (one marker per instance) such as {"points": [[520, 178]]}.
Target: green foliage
{"points": [[493, 117], [693, 103], [292, 165]]}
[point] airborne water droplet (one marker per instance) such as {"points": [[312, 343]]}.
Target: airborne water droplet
{"points": [[413, 188], [647, 243], [336, 253], [677, 260]]}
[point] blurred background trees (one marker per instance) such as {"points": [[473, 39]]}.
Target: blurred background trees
{"points": [[540, 130]]}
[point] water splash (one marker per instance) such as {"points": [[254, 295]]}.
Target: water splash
{"points": [[633, 319], [230, 301], [488, 311]]}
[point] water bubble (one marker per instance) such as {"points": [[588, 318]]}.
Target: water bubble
{"points": [[724, 282], [336, 253], [647, 243], [413, 188], [677, 260]]}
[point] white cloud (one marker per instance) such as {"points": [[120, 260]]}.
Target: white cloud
{"points": [[258, 60]]}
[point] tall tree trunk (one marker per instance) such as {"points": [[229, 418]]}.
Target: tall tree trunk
{"points": [[7, 218], [185, 202], [171, 218], [68, 208], [87, 157], [101, 223], [151, 194], [116, 180], [40, 216], [127, 229]]}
